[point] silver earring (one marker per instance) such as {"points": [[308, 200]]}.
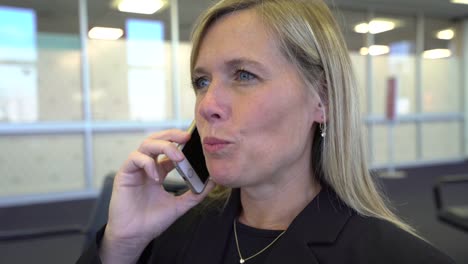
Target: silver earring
{"points": [[323, 125], [323, 129]]}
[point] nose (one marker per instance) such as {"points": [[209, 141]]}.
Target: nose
{"points": [[214, 104]]}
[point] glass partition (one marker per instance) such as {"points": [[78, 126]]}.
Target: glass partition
{"points": [[36, 164], [139, 81], [393, 57], [39, 62], [131, 75], [111, 150], [441, 141], [404, 144], [440, 68]]}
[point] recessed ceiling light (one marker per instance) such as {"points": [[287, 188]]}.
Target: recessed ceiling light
{"points": [[460, 2], [375, 26], [375, 50], [146, 7], [446, 34], [362, 28], [105, 33], [364, 51], [437, 54], [379, 26]]}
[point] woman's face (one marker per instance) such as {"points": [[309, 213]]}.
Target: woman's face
{"points": [[253, 111]]}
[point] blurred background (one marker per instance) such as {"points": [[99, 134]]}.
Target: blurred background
{"points": [[83, 82]]}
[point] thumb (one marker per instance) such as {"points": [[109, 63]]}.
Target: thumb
{"points": [[189, 199]]}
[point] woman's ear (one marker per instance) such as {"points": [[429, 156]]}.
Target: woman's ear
{"points": [[320, 113]]}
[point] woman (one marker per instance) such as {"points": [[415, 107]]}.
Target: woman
{"points": [[277, 112]]}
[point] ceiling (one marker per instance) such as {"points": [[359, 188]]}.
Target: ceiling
{"points": [[439, 9], [62, 15], [434, 8]]}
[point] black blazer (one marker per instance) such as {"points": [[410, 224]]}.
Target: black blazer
{"points": [[326, 231]]}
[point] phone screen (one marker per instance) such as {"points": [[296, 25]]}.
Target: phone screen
{"points": [[194, 153]]}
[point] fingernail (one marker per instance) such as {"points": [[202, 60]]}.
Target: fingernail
{"points": [[179, 155]]}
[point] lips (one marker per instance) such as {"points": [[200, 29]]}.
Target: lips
{"points": [[212, 144]]}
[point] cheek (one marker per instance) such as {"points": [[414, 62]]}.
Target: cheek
{"points": [[197, 105], [270, 125], [259, 111], [274, 113]]}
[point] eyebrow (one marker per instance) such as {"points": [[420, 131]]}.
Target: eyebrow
{"points": [[236, 63]]}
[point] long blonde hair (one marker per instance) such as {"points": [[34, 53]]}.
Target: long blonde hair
{"points": [[310, 38]]}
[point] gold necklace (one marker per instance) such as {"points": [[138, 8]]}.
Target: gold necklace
{"points": [[242, 260]]}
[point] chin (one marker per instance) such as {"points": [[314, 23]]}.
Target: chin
{"points": [[223, 176], [222, 179]]}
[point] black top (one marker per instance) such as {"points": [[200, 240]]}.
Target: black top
{"points": [[251, 241], [327, 231]]}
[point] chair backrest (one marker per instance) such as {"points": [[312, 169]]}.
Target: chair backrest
{"points": [[456, 216], [100, 212]]}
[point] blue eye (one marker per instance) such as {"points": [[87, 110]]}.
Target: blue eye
{"points": [[243, 75], [200, 83]]}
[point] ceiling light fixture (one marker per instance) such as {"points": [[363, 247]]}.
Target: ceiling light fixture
{"points": [[375, 50], [379, 26], [105, 33], [146, 7], [437, 54], [375, 26], [364, 51], [362, 28], [465, 2], [446, 34]]}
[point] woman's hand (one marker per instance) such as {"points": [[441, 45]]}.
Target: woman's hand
{"points": [[140, 208]]}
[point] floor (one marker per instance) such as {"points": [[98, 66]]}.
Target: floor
{"points": [[413, 199], [411, 196]]}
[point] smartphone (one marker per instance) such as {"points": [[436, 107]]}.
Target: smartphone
{"points": [[193, 168]]}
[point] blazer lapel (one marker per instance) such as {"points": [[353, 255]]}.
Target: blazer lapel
{"points": [[318, 224]]}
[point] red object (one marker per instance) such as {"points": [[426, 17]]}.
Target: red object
{"points": [[391, 98]]}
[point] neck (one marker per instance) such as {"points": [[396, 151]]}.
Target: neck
{"points": [[275, 207]]}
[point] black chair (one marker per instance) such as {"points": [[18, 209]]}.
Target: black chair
{"points": [[97, 219], [454, 215]]}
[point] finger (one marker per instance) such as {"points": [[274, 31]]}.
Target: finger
{"points": [[190, 199], [138, 161], [165, 165], [153, 148], [173, 135]]}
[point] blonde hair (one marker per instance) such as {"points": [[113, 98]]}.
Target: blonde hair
{"points": [[310, 38]]}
